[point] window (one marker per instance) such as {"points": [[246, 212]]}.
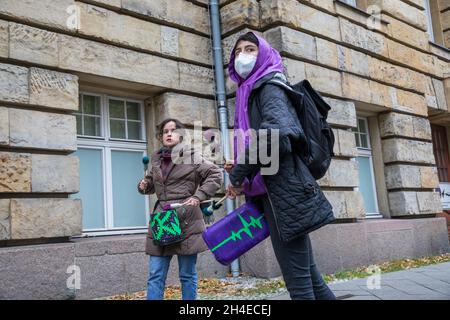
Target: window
{"points": [[362, 134], [89, 116], [429, 21], [350, 2], [125, 119], [434, 25], [366, 172], [440, 150], [111, 144], [360, 4]]}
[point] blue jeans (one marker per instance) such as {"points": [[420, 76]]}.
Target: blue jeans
{"points": [[158, 268]]}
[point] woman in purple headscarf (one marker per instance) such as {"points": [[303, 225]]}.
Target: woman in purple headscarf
{"points": [[290, 197]]}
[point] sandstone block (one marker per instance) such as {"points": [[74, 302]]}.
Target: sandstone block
{"points": [[362, 38], [4, 126], [295, 70], [45, 218], [342, 173], [403, 11], [5, 232], [353, 61], [15, 172], [293, 42], [111, 26], [404, 125], [33, 45], [177, 12], [346, 204], [356, 88], [299, 15], [14, 83], [404, 150], [55, 173], [324, 80], [345, 144], [238, 13], [4, 39], [53, 89], [56, 14], [342, 113], [186, 108], [42, 130], [327, 52]]}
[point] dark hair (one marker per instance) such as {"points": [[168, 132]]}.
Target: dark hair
{"points": [[160, 127], [249, 36]]}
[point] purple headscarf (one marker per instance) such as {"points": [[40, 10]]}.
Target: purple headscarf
{"points": [[268, 61]]}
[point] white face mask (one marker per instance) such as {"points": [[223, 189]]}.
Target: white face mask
{"points": [[244, 64]]}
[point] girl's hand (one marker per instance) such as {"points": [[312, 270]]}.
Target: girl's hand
{"points": [[143, 185], [192, 202], [233, 192], [228, 166]]}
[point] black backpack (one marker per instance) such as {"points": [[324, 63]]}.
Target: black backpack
{"points": [[312, 111]]}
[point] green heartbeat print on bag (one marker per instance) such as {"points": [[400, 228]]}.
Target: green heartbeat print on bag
{"points": [[168, 224], [255, 223]]}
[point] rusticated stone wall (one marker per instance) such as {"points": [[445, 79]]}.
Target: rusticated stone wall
{"points": [[393, 72], [47, 50], [164, 48], [161, 51]]}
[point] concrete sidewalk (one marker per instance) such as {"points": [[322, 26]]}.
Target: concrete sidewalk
{"points": [[425, 283]]}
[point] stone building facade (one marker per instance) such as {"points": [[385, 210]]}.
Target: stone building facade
{"points": [[83, 84]]}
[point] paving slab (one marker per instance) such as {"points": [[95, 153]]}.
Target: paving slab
{"points": [[424, 283]]}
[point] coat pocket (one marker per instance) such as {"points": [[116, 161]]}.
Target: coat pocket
{"points": [[303, 192]]}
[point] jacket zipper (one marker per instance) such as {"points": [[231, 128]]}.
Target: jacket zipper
{"points": [[273, 210]]}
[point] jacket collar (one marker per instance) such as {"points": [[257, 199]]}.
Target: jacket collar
{"points": [[267, 77], [186, 154]]}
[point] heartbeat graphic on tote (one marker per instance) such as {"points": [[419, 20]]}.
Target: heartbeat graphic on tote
{"points": [[235, 236]]}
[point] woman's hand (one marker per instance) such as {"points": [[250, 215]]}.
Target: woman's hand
{"points": [[192, 202], [233, 192], [143, 185], [228, 166]]}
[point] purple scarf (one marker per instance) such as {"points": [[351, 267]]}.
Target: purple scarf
{"points": [[268, 61]]}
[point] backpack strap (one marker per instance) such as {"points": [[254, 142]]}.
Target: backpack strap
{"points": [[291, 91], [322, 106], [281, 84]]}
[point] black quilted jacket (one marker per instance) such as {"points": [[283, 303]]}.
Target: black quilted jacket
{"points": [[298, 203]]}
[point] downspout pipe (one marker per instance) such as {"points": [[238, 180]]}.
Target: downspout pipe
{"points": [[222, 108]]}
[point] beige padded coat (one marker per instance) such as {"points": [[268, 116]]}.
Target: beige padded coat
{"points": [[201, 179]]}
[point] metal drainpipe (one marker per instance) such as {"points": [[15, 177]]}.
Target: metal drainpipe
{"points": [[222, 108]]}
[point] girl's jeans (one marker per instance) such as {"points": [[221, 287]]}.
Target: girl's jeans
{"points": [[158, 268]]}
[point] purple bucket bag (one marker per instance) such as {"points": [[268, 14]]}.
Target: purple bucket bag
{"points": [[236, 233]]}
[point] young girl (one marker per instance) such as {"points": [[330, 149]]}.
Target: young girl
{"points": [[174, 182], [291, 199]]}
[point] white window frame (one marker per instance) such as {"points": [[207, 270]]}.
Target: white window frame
{"points": [[429, 21], [126, 119], [107, 145], [102, 116], [367, 153]]}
